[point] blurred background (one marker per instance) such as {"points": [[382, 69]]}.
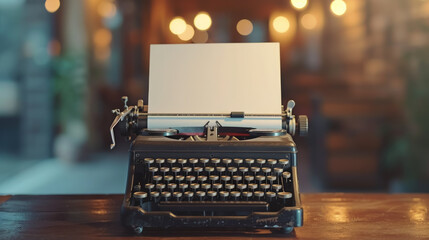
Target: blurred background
{"points": [[358, 69]]}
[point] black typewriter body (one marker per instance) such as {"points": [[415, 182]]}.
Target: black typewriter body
{"points": [[238, 190]]}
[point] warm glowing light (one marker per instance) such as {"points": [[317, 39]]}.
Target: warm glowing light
{"points": [[299, 4], [187, 34], [244, 27], [102, 38], [281, 24], [52, 5], [177, 25], [106, 9], [338, 7], [202, 21], [200, 37], [418, 212], [309, 21]]}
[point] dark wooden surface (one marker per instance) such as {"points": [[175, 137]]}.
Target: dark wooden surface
{"points": [[326, 216]]}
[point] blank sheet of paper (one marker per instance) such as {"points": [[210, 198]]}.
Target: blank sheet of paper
{"points": [[214, 78]]}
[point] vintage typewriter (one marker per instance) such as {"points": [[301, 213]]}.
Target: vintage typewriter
{"points": [[211, 175]]}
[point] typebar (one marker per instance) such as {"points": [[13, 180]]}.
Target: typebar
{"points": [[253, 206]]}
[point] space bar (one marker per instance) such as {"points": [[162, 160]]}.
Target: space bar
{"points": [[224, 206]]}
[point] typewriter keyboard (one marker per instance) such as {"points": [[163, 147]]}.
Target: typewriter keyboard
{"points": [[213, 184]]}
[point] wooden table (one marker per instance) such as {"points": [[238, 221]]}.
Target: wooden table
{"points": [[326, 216]]}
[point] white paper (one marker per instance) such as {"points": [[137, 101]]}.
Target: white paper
{"points": [[215, 78]]}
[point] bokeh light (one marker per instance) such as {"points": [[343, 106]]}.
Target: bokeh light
{"points": [[102, 38], [200, 37], [281, 24], [299, 4], [338, 7], [106, 9], [309, 21], [187, 34], [202, 21], [177, 25], [52, 5], [244, 27]]}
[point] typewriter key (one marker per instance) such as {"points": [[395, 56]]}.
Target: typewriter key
{"points": [[238, 161], [232, 170], [249, 161], [182, 161], [264, 186], [284, 162], [260, 161], [175, 170], [204, 161], [260, 178], [225, 179], [179, 178], [215, 161], [198, 170], [201, 195], [183, 186], [214, 178], [243, 170], [166, 195], [271, 179], [209, 169], [241, 187], [277, 187], [266, 170], [149, 186], [226, 161], [235, 195], [286, 175], [284, 195], [157, 178], [172, 186], [164, 170], [186, 170], [220, 170], [168, 178], [153, 170], [255, 170], [237, 178], [252, 186], [217, 186], [211, 194], [258, 194], [177, 195], [206, 186], [202, 178], [272, 162], [193, 161], [270, 196], [140, 195], [189, 195], [160, 186], [154, 195], [229, 186], [171, 161], [224, 194], [160, 161], [190, 178], [247, 195], [195, 186], [249, 178], [148, 161]]}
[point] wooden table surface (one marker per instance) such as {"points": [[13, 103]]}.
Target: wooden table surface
{"points": [[326, 216]]}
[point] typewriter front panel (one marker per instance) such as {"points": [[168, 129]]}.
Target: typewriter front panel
{"points": [[250, 183]]}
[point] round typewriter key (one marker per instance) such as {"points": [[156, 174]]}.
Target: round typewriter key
{"points": [[154, 195], [260, 161], [225, 179], [190, 178], [244, 170], [266, 170], [270, 195], [204, 161], [214, 178], [183, 186], [182, 161], [209, 169], [180, 178], [215, 161], [249, 161], [229, 186], [271, 179], [195, 186], [148, 161], [264, 186], [164, 170], [188, 195], [235, 195], [201, 195], [224, 194], [237, 178], [160, 161], [153, 170], [249, 178], [175, 170], [258, 194], [140, 195], [226, 161], [193, 161], [149, 186], [177, 195], [202, 178], [272, 162], [168, 178], [186, 170], [232, 170], [238, 161], [241, 186], [212, 194], [286, 175], [247, 195], [252, 186], [284, 162], [206, 186], [160, 186], [220, 169], [157, 178], [198, 170], [260, 178], [255, 170], [277, 187], [166, 195], [217, 186], [284, 195], [278, 170], [172, 186], [171, 161]]}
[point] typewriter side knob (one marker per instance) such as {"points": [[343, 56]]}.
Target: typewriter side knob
{"points": [[303, 125]]}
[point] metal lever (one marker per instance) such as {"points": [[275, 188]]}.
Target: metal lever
{"points": [[120, 117]]}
